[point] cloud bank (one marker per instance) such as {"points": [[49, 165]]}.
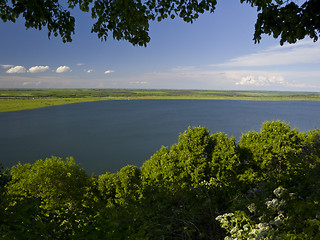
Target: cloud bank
{"points": [[261, 80], [139, 83], [17, 69], [38, 69], [63, 69]]}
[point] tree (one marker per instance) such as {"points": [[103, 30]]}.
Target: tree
{"points": [[287, 19], [129, 20], [264, 187], [121, 187], [54, 181], [184, 188], [184, 165], [4, 179], [280, 169], [275, 153], [47, 198]]}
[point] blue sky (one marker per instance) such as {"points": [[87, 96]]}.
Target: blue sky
{"points": [[216, 52]]}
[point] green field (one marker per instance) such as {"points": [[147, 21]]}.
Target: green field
{"points": [[22, 99]]}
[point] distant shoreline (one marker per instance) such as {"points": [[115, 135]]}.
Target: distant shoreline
{"points": [[23, 99]]}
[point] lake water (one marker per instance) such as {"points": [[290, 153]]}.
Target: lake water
{"points": [[105, 136]]}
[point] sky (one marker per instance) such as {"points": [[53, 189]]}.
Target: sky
{"points": [[215, 52]]}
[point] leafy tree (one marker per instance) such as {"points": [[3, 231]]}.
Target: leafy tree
{"points": [[288, 19], [129, 20], [184, 188], [280, 169], [4, 179], [225, 160], [185, 164], [206, 186], [197, 157], [47, 198], [274, 154], [54, 181], [107, 188], [121, 187], [117, 216]]}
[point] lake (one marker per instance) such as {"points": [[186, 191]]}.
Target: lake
{"points": [[105, 136]]}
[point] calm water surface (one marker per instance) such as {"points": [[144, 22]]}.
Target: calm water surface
{"points": [[105, 136]]}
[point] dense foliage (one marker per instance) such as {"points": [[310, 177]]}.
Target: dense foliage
{"points": [[207, 186], [129, 20]]}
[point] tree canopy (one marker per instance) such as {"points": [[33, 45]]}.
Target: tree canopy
{"points": [[129, 20], [207, 186]]}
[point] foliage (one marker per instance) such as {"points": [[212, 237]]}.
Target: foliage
{"points": [[273, 154], [47, 198], [206, 186], [280, 173], [53, 181], [122, 187], [185, 165], [4, 179], [174, 186], [288, 215], [129, 20], [39, 14], [288, 19]]}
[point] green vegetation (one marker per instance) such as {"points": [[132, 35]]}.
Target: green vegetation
{"points": [[21, 99], [287, 19], [206, 186]]}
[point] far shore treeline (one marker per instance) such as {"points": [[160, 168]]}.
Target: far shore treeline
{"points": [[21, 99], [206, 186]]}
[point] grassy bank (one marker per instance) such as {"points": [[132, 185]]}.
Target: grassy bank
{"points": [[22, 99]]}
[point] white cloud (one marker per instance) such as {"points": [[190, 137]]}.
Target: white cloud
{"points": [[80, 64], [108, 71], [6, 66], [38, 69], [197, 79], [139, 82], [274, 80], [261, 80], [63, 69], [302, 53], [89, 71], [17, 69], [31, 83]]}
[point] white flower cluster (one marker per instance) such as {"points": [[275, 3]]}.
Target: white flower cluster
{"points": [[239, 226], [242, 228], [279, 191], [278, 220], [251, 207], [225, 219], [275, 204]]}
